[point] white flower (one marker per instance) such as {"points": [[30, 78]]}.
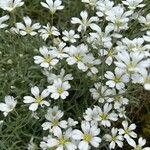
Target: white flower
{"points": [[8, 106], [119, 18], [114, 139], [103, 7], [38, 98], [76, 56], [53, 5], [139, 146], [109, 53], [84, 23], [90, 2], [101, 93], [88, 137], [105, 116], [48, 60], [119, 101], [28, 27], [128, 132], [91, 63], [99, 38], [147, 36], [146, 80], [118, 80], [2, 20], [71, 122], [131, 62], [143, 78], [31, 145], [133, 4], [59, 89], [135, 45], [48, 31], [145, 21], [59, 51], [122, 112], [54, 123], [44, 144], [61, 141], [70, 36], [10, 5], [52, 77], [91, 115]]}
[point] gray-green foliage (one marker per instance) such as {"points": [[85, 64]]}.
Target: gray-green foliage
{"points": [[18, 74]]}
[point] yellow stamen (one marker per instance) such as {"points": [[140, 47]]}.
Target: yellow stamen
{"points": [[87, 137], [38, 100], [60, 90]]}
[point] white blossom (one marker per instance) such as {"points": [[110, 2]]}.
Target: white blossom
{"points": [[85, 22], [48, 31], [48, 58], [8, 106], [114, 138], [105, 116], [38, 99], [103, 7], [117, 80], [88, 136], [27, 27], [77, 55], [59, 89], [128, 132], [145, 22], [53, 5], [119, 18], [133, 4], [70, 36], [54, 122], [61, 140], [10, 5], [139, 146], [131, 62]]}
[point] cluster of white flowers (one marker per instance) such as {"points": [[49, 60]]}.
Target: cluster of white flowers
{"points": [[99, 49], [64, 135]]}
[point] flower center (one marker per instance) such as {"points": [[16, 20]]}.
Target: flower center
{"points": [[127, 131], [62, 141], [138, 148], [55, 122], [54, 113], [89, 65], [147, 25], [147, 80], [104, 116], [117, 98], [38, 100], [60, 90], [49, 33], [87, 137], [113, 138], [78, 57], [28, 30], [116, 80], [131, 68], [119, 23], [48, 59]]}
